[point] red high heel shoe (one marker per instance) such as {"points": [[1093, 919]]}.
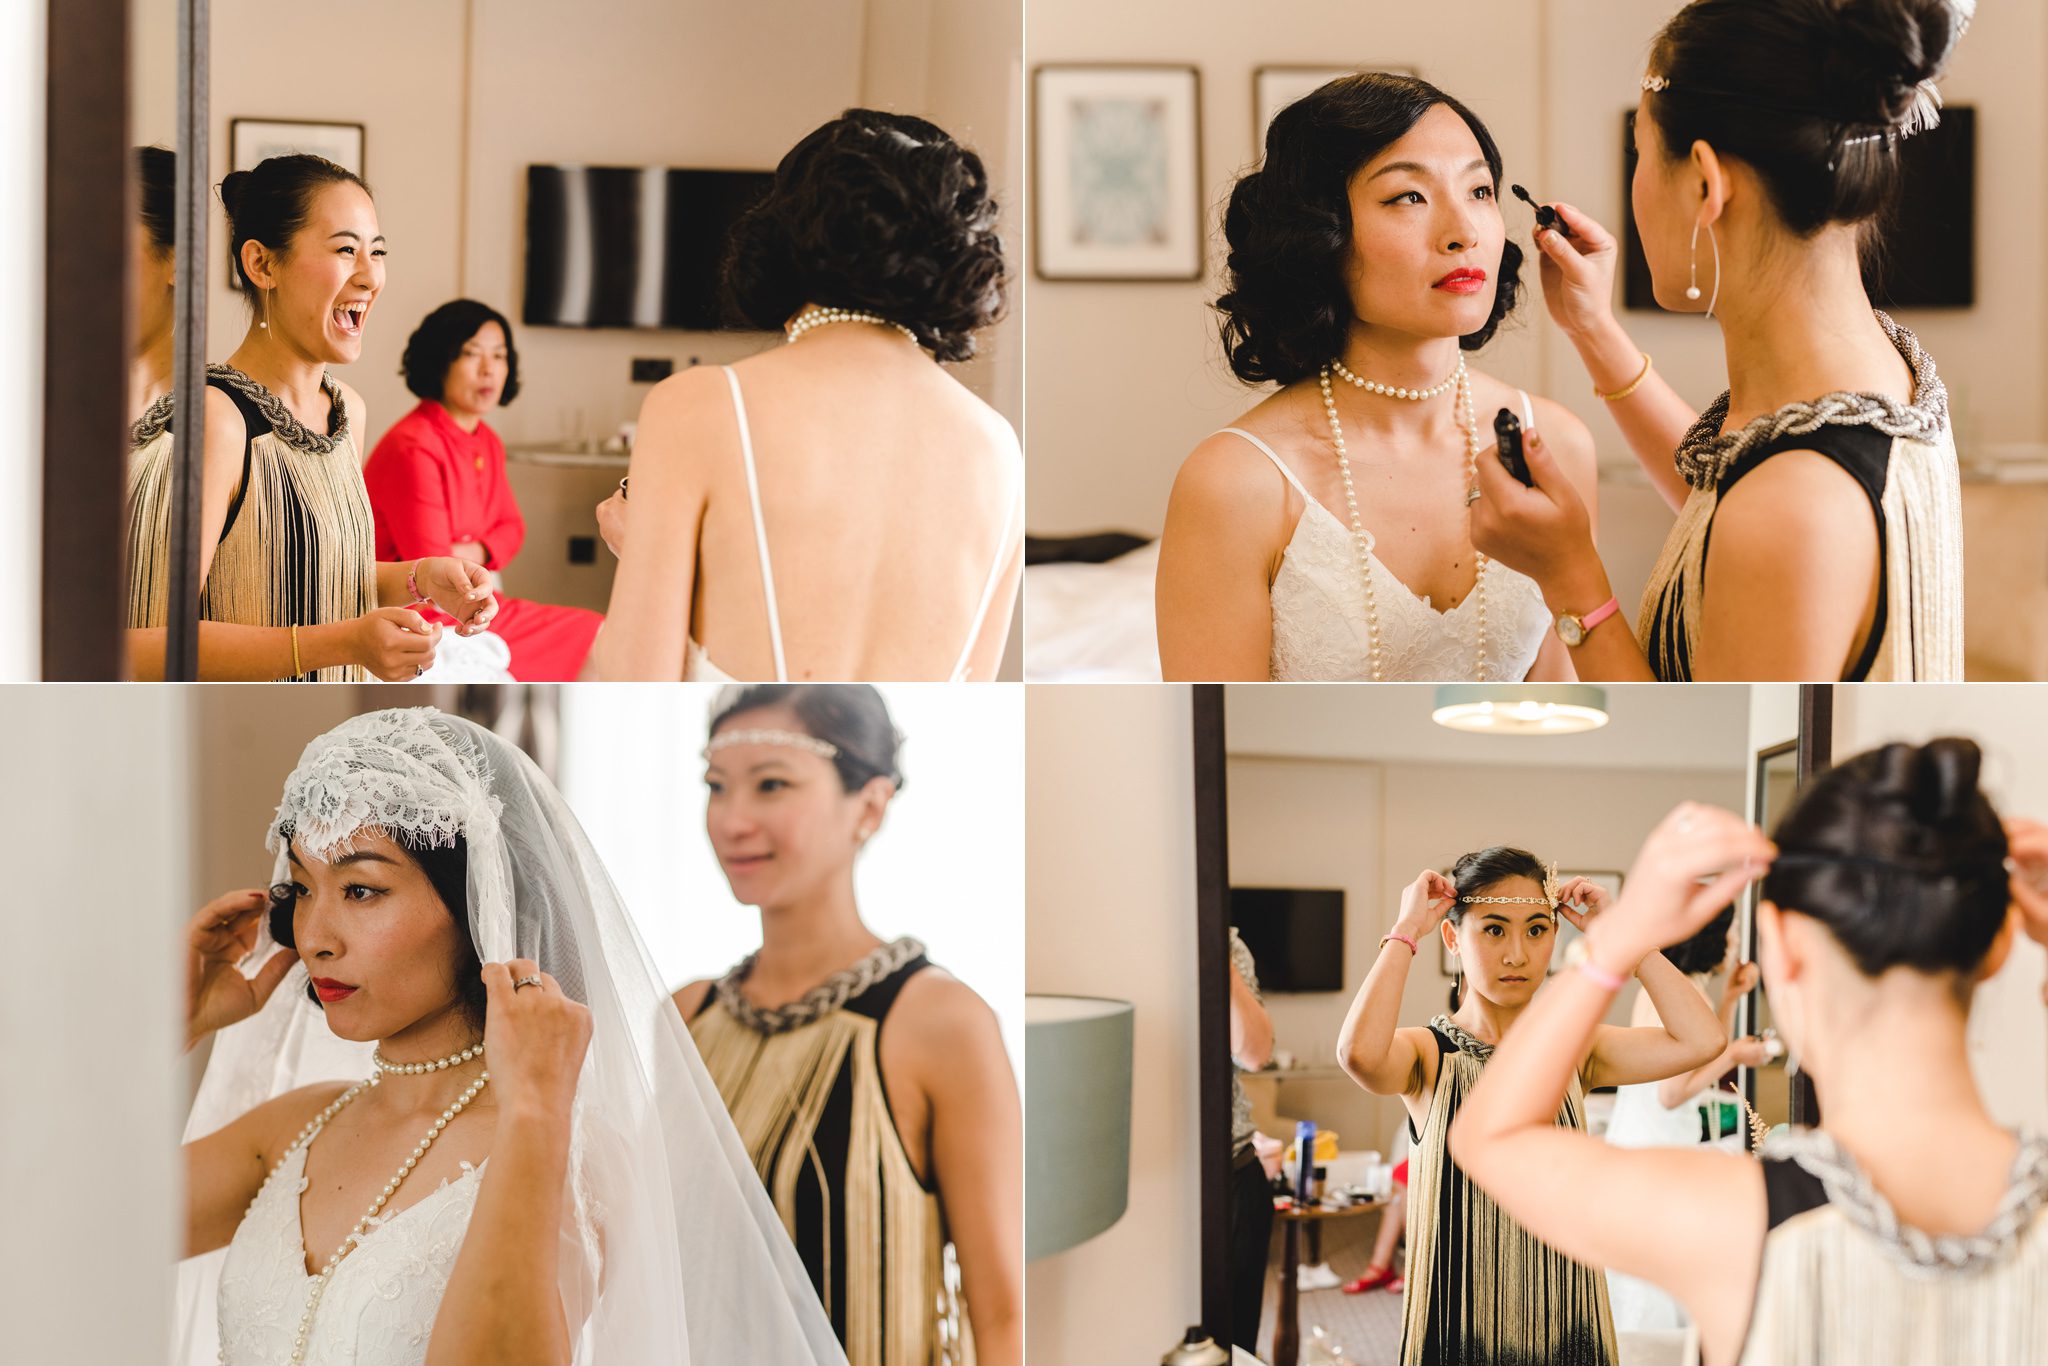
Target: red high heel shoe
{"points": [[1373, 1278]]}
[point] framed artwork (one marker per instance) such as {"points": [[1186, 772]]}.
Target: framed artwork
{"points": [[1116, 172], [252, 140], [1448, 964], [1276, 87]]}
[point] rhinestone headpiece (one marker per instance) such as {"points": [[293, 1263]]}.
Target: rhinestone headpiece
{"points": [[788, 739]]}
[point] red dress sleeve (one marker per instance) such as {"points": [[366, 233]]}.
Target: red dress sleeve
{"points": [[409, 493], [504, 526]]}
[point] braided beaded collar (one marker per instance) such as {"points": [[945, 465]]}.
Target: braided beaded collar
{"points": [[1705, 455], [288, 429], [1462, 1037], [821, 1000]]}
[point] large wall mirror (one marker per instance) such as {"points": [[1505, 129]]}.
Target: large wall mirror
{"points": [[1315, 808]]}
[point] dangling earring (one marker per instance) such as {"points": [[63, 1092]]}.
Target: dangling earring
{"points": [[1692, 290], [265, 326]]}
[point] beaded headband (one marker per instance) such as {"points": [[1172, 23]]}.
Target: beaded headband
{"points": [[787, 739], [1549, 897]]}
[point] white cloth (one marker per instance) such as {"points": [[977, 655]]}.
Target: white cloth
{"points": [[670, 1249], [380, 1305], [1092, 623], [1319, 623]]}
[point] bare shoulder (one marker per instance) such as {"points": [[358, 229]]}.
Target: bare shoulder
{"points": [[688, 394], [273, 1125], [1224, 470], [1794, 491], [937, 1002], [690, 999], [1569, 436]]}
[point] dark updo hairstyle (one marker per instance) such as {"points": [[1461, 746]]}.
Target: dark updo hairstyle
{"points": [[1901, 856], [439, 339], [1808, 93], [851, 716], [883, 213], [1706, 950], [1287, 311], [270, 204], [447, 869], [1484, 868], [156, 186]]}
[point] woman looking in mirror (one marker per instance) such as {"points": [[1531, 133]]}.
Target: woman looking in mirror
{"points": [[154, 234], [289, 583], [1819, 506], [870, 1088], [1471, 1266], [856, 512], [1911, 1226], [1367, 256]]}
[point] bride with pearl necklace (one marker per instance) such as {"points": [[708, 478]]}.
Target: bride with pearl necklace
{"points": [[1326, 534]]}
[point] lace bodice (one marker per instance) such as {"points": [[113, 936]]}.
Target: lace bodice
{"points": [[379, 1308]]}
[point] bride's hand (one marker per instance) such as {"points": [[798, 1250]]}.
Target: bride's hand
{"points": [[2028, 853], [1577, 272], [217, 940], [1694, 863], [461, 588], [535, 1038], [611, 521], [1541, 530]]}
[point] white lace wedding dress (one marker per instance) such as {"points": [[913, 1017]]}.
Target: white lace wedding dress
{"points": [[1319, 625], [379, 1307]]}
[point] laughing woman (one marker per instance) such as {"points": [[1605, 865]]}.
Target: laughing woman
{"points": [[289, 583], [1482, 1289], [1367, 255], [870, 1087]]}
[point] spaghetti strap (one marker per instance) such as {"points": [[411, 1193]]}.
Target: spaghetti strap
{"points": [[988, 589], [1528, 411], [1278, 463], [739, 412]]}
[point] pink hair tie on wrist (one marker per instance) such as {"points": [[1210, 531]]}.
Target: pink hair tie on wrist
{"points": [[1400, 939], [1601, 976], [412, 583]]}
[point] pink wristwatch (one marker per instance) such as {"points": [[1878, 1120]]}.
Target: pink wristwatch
{"points": [[1573, 630]]}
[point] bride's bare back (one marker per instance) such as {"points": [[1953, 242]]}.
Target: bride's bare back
{"points": [[888, 495]]}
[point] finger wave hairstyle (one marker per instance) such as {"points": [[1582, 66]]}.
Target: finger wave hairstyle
{"points": [[1285, 310], [879, 213], [1900, 854]]}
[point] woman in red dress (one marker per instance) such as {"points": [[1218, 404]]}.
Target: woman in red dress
{"points": [[438, 486]]}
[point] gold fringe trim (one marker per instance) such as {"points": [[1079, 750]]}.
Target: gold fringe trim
{"points": [[290, 493], [903, 1304]]}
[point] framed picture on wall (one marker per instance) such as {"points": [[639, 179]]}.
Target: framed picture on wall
{"points": [[252, 140], [1116, 172], [1276, 87], [1447, 962]]}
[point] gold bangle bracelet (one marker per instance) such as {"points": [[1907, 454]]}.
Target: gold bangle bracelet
{"points": [[1634, 384], [297, 672]]}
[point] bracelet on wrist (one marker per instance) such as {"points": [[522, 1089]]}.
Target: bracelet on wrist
{"points": [[1398, 938], [412, 584], [1619, 394]]}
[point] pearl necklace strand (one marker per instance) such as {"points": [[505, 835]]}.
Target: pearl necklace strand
{"points": [[824, 317], [1362, 541], [389, 1068], [354, 1239], [1343, 372]]}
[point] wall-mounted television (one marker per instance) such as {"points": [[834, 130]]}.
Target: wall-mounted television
{"points": [[632, 246], [1929, 256], [1295, 934]]}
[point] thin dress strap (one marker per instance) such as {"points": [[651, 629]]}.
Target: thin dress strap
{"points": [[988, 589], [1278, 463], [1528, 411], [739, 412]]}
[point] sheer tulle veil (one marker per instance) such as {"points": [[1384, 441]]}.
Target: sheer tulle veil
{"points": [[671, 1251]]}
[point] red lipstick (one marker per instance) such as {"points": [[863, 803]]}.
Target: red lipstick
{"points": [[1464, 280], [329, 991]]}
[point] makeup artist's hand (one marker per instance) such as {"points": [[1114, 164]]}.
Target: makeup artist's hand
{"points": [[2028, 852], [461, 588], [1425, 903], [1577, 272], [1694, 863], [1542, 530]]}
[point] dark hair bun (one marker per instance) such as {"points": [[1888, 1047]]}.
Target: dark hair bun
{"points": [[271, 203], [1286, 309], [1877, 53], [881, 213], [1483, 868], [156, 176], [1900, 854], [851, 716]]}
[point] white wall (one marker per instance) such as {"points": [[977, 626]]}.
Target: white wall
{"points": [[23, 43], [1369, 828], [1111, 912], [2008, 1029], [92, 1017]]}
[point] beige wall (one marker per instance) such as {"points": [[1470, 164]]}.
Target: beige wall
{"points": [[2008, 1032], [1126, 378], [1369, 828], [91, 1016], [1110, 911]]}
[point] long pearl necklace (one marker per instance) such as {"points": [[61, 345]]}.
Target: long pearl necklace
{"points": [[354, 1239], [1362, 542], [824, 317]]}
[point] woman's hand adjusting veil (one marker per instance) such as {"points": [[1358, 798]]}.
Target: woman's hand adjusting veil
{"points": [[535, 1039], [218, 939]]}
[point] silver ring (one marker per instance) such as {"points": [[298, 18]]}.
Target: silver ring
{"points": [[418, 670], [622, 486], [532, 981]]}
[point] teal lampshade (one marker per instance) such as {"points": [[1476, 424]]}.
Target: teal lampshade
{"points": [[1077, 1126]]}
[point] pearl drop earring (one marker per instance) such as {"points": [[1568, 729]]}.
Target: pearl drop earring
{"points": [[1693, 289]]}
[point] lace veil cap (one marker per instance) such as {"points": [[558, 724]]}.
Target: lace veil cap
{"points": [[671, 1249]]}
